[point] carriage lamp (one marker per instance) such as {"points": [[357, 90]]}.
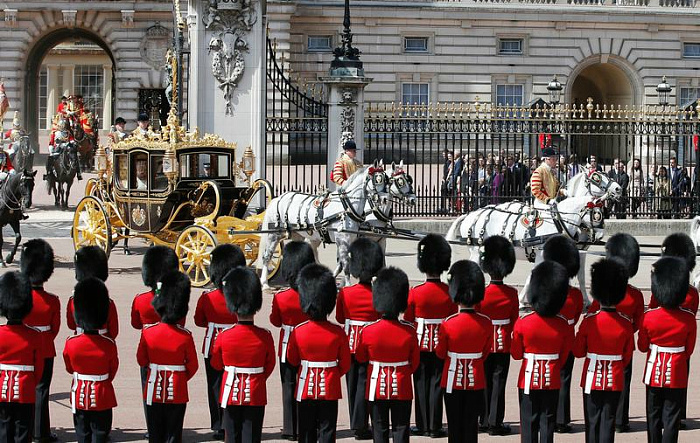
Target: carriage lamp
{"points": [[664, 91], [101, 160], [554, 88], [248, 163], [170, 164]]}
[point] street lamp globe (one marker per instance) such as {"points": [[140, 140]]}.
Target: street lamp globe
{"points": [[664, 91], [554, 88]]}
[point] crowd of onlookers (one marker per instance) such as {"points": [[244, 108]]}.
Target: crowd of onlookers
{"points": [[473, 181]]}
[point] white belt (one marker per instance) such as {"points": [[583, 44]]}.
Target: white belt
{"points": [[454, 357], [350, 323], [80, 330], [17, 368], [531, 358], [571, 321], [210, 335], [305, 365], [152, 377], [505, 321], [376, 367], [422, 322], [83, 377], [231, 372], [285, 341], [46, 328], [351, 333], [593, 359], [655, 351]]}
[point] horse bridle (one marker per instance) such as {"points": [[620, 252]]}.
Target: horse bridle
{"points": [[597, 180], [345, 198], [12, 197]]}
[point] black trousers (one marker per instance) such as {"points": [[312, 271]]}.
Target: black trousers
{"points": [[622, 416], [165, 422], [664, 414], [42, 421], [684, 406], [16, 421], [356, 379], [564, 405], [538, 411], [428, 399], [243, 424], [463, 408], [317, 420], [92, 426], [496, 367], [144, 380], [214, 378], [400, 411], [599, 415], [288, 374]]}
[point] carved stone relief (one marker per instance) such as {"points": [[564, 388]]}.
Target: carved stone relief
{"points": [[348, 102], [154, 46]]}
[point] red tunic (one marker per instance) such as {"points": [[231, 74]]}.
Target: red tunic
{"points": [[354, 308], [109, 329], [143, 313], [93, 361], [573, 306], [321, 351], [605, 337], [22, 348], [286, 314], [46, 317], [247, 354], [392, 352], [668, 338], [429, 304], [632, 306], [466, 339], [212, 313], [543, 343], [169, 352], [690, 303], [500, 304]]}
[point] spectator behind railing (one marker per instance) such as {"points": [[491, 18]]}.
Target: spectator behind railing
{"points": [[662, 192], [573, 168], [637, 185], [497, 185], [447, 184], [618, 174]]}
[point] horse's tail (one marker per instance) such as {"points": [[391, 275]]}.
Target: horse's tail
{"points": [[50, 180], [454, 228]]}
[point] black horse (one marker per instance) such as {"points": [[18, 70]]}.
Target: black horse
{"points": [[15, 194], [23, 158], [65, 166]]}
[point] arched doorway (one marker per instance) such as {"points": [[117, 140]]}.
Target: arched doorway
{"points": [[606, 83], [80, 63]]}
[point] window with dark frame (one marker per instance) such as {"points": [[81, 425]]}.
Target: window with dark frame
{"points": [[415, 44], [691, 50], [320, 43], [510, 46]]}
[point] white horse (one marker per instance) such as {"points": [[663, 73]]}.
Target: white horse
{"points": [[695, 235], [580, 217]]}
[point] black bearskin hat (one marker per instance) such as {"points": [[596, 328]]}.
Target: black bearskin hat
{"points": [[562, 249], [243, 291], [669, 281], [434, 254], [608, 281], [390, 291], [157, 261], [549, 285], [91, 261], [498, 259], [295, 256], [224, 258], [467, 282], [90, 303], [366, 259], [36, 261], [317, 291], [172, 299], [624, 247], [15, 296], [681, 246]]}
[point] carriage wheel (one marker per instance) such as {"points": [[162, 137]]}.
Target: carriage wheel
{"points": [[91, 226], [91, 187], [251, 249], [193, 249]]}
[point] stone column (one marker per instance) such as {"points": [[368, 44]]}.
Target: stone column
{"points": [[53, 93], [107, 104], [68, 80]]}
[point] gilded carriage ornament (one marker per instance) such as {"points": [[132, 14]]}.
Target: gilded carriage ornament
{"points": [[138, 215], [231, 21]]}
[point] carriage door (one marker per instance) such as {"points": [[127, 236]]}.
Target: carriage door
{"points": [[138, 213]]}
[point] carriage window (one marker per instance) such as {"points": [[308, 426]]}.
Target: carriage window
{"points": [[159, 181], [205, 166], [121, 169], [139, 171]]}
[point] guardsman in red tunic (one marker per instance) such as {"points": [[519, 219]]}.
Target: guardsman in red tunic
{"points": [[246, 354], [562, 250], [21, 360], [320, 350], [624, 248], [37, 264], [355, 310], [543, 340], [667, 335], [389, 345], [500, 304], [466, 339], [91, 261], [167, 350], [606, 340], [91, 358], [286, 314], [428, 305], [211, 313]]}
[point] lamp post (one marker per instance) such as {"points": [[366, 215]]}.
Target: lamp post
{"points": [[554, 88], [664, 91]]}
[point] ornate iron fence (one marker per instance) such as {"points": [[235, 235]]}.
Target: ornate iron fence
{"points": [[465, 156]]}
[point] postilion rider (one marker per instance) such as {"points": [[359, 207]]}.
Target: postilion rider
{"points": [[346, 164], [544, 184]]}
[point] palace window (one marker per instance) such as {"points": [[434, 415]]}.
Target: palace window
{"points": [[509, 95], [691, 50], [43, 93], [510, 46], [415, 44], [688, 95], [415, 93], [89, 82], [320, 43]]}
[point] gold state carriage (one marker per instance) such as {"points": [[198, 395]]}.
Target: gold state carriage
{"points": [[178, 190]]}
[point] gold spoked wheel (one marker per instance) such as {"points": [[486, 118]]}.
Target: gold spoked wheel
{"points": [[193, 249], [251, 249], [91, 226]]}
